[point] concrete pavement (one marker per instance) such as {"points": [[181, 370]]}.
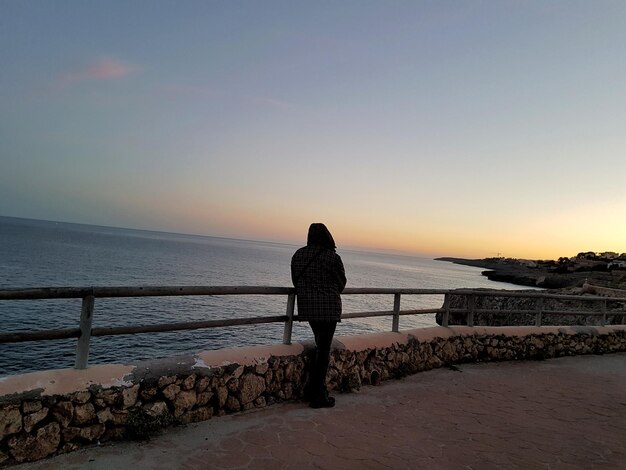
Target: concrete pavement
{"points": [[565, 413]]}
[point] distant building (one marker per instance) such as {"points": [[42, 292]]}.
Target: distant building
{"points": [[528, 263], [616, 265]]}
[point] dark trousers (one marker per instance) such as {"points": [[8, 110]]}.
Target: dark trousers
{"points": [[323, 332]]}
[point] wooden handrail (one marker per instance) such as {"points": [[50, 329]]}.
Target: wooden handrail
{"points": [[169, 291], [138, 291]]}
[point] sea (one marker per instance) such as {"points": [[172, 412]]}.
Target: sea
{"points": [[35, 253]]}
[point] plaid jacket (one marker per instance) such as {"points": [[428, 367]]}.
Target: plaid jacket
{"points": [[319, 277]]}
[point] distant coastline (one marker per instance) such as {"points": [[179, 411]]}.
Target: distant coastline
{"points": [[544, 274]]}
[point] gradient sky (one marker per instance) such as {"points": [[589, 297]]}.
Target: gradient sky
{"points": [[435, 127]]}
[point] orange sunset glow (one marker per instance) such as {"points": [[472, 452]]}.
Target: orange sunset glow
{"points": [[466, 129]]}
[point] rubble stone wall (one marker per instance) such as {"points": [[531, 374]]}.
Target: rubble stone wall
{"points": [[498, 315], [46, 413]]}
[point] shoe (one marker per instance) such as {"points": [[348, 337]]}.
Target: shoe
{"points": [[324, 402]]}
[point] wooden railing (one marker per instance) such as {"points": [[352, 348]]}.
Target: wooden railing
{"points": [[85, 330]]}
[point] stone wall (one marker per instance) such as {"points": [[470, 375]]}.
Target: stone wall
{"points": [[45, 413], [498, 317]]}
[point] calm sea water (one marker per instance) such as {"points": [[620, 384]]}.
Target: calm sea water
{"points": [[50, 254]]}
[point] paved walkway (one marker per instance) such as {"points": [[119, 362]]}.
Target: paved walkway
{"points": [[567, 413]]}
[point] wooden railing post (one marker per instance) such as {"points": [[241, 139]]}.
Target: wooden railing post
{"points": [[395, 324], [86, 319], [470, 314], [539, 311], [446, 311], [291, 302]]}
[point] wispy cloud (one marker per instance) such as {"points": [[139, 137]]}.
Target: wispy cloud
{"points": [[105, 68], [265, 101], [175, 91], [189, 91]]}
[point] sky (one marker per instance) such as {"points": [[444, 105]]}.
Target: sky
{"points": [[441, 128]]}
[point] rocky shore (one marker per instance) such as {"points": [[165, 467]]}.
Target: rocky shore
{"points": [[547, 274]]}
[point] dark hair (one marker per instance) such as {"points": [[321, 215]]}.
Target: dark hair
{"points": [[320, 236]]}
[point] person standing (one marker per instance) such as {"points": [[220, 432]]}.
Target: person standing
{"points": [[319, 277]]}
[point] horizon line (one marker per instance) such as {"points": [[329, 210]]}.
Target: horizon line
{"points": [[350, 248]]}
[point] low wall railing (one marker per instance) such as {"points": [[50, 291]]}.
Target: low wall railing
{"points": [[86, 330]]}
